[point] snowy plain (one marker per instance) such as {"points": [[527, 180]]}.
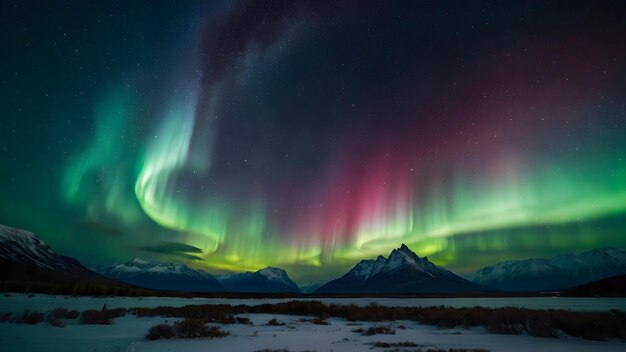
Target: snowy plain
{"points": [[127, 333]]}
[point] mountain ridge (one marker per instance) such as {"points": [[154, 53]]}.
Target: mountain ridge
{"points": [[162, 276], [402, 271], [266, 280], [26, 258], [563, 271]]}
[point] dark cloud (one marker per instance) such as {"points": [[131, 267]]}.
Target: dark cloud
{"points": [[176, 249]]}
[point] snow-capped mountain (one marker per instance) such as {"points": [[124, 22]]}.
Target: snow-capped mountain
{"points": [[402, 272], [24, 257], [162, 276], [564, 271], [265, 280]]}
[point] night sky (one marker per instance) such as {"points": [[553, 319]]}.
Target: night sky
{"points": [[309, 135]]}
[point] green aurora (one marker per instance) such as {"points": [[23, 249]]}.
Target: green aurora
{"points": [[281, 155]]}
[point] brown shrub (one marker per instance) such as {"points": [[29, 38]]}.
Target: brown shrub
{"points": [[56, 316], [320, 321], [72, 314], [226, 319], [186, 329], [191, 328], [275, 322], [160, 331], [103, 317], [95, 317], [244, 320], [55, 321], [375, 330], [5, 317], [588, 325], [31, 318], [506, 328], [216, 332], [57, 313], [541, 328]]}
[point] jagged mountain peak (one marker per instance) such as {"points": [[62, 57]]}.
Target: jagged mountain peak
{"points": [[273, 273], [402, 271], [405, 249]]}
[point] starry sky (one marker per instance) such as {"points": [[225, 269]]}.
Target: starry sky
{"points": [[311, 134]]}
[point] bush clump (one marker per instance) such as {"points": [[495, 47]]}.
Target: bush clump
{"points": [[5, 317], [31, 318], [160, 331], [196, 328], [191, 328], [244, 320], [226, 319], [72, 314], [320, 321], [56, 317], [185, 329], [54, 321], [548, 323], [275, 322], [376, 330], [103, 317]]}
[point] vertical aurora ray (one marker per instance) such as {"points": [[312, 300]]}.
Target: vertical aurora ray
{"points": [[98, 178], [157, 184]]}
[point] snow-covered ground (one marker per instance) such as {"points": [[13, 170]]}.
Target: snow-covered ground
{"points": [[127, 334], [20, 302]]}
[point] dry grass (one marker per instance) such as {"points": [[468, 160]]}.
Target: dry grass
{"points": [[320, 321], [544, 323], [101, 317], [185, 329], [160, 331], [191, 328], [56, 317], [29, 317]]}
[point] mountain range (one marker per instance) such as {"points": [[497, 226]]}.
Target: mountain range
{"points": [[556, 273], [180, 277], [25, 260], [402, 272], [162, 276], [265, 280]]}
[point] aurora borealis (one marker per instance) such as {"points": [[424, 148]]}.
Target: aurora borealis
{"points": [[309, 135]]}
